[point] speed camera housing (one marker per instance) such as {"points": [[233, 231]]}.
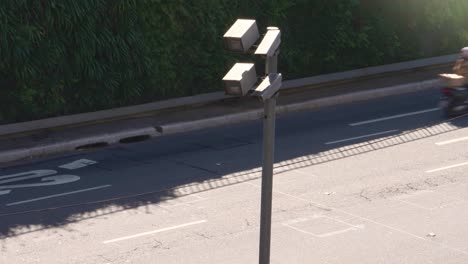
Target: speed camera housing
{"points": [[241, 35], [269, 86], [241, 78], [270, 43]]}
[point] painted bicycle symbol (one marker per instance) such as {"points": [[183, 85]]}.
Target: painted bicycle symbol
{"points": [[45, 177]]}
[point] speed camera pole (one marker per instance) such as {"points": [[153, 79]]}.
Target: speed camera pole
{"points": [[241, 80], [267, 169]]}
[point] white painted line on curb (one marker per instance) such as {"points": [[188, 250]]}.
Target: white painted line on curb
{"points": [[448, 167], [451, 141], [365, 136], [393, 117], [58, 195], [153, 232], [78, 164]]}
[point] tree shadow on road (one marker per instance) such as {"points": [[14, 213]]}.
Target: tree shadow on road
{"points": [[209, 159]]}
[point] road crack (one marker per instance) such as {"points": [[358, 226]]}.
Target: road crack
{"points": [[365, 197]]}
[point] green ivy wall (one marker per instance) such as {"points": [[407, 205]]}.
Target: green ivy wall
{"points": [[61, 57]]}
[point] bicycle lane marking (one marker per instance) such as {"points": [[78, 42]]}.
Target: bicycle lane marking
{"points": [[58, 195], [45, 177]]}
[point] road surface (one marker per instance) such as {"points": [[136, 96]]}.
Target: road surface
{"points": [[376, 182]]}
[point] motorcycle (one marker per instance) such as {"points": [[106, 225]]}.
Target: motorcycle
{"points": [[454, 99]]}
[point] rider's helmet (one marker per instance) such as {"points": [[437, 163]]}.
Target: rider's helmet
{"points": [[464, 52]]}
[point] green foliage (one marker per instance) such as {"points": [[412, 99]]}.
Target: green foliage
{"points": [[66, 56]]}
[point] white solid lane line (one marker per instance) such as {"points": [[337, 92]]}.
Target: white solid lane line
{"points": [[451, 141], [393, 117], [58, 195], [448, 167], [78, 164], [364, 136], [154, 232]]}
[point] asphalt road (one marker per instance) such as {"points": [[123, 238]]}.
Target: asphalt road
{"points": [[375, 182]]}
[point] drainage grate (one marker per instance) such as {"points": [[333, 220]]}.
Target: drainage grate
{"points": [[92, 146], [134, 139]]}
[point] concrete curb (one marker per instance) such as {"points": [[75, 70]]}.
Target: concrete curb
{"points": [[72, 145], [116, 113], [210, 122], [360, 96], [370, 71], [168, 129], [145, 109], [296, 107]]}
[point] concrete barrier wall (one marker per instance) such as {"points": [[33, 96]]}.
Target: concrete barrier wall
{"points": [[139, 110]]}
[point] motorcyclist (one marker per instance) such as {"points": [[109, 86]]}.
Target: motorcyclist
{"points": [[461, 64], [454, 96]]}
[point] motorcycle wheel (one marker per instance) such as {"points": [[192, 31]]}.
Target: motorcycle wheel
{"points": [[449, 109]]}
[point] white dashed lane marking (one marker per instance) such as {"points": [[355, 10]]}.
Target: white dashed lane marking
{"points": [[360, 137], [394, 117], [153, 232]]}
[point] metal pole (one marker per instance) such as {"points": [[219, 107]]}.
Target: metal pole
{"points": [[267, 169], [271, 64], [267, 179]]}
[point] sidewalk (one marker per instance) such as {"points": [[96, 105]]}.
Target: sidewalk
{"points": [[68, 139]]}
